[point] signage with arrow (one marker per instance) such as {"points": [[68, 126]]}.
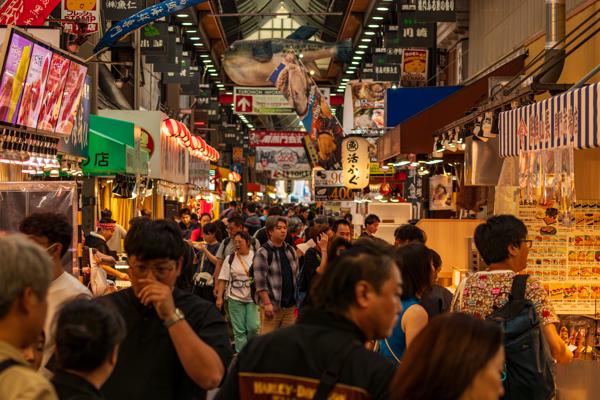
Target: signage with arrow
{"points": [[264, 100]]}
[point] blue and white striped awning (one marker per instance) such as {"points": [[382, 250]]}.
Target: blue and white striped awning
{"points": [[559, 121]]}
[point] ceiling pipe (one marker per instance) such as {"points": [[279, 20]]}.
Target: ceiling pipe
{"points": [[555, 45]]}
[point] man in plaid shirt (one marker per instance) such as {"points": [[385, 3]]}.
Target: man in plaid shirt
{"points": [[275, 273]]}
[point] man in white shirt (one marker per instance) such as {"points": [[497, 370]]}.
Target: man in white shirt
{"points": [[53, 232], [115, 243]]}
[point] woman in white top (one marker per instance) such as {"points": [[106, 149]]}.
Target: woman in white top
{"points": [[234, 286]]}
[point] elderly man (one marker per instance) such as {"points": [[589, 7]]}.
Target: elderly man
{"points": [[176, 345], [25, 275]]}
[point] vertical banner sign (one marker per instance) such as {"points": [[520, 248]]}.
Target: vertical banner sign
{"points": [[355, 159], [26, 13], [414, 67], [87, 11]]}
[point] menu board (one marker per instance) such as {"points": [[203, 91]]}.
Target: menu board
{"points": [[14, 73], [566, 259], [40, 86], [35, 85]]}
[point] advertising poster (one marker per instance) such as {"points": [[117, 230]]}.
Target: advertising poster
{"points": [[14, 74], [13, 12], [77, 143], [71, 97], [414, 67], [276, 138], [269, 158], [81, 10], [440, 192], [355, 159], [59, 68], [35, 85], [368, 100]]}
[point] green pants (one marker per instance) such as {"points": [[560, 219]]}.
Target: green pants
{"points": [[244, 321]]}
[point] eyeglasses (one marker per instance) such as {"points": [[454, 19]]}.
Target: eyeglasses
{"points": [[159, 270], [528, 242]]}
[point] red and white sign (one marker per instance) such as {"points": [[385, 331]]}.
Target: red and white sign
{"points": [[87, 11], [243, 104], [28, 13], [277, 138]]}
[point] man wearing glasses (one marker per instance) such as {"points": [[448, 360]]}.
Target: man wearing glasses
{"points": [[53, 232], [176, 345]]}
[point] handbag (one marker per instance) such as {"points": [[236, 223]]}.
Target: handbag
{"points": [[202, 278], [240, 284]]}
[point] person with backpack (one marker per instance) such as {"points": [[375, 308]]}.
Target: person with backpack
{"points": [[25, 275], [234, 287], [227, 247], [324, 355], [275, 271], [514, 301]]}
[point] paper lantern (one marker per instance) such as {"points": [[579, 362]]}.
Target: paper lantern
{"points": [[355, 162], [170, 127]]}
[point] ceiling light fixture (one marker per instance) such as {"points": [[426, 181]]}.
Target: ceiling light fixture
{"points": [[214, 74], [191, 30], [360, 52], [366, 40], [345, 79], [363, 46], [187, 24], [198, 44], [370, 33], [355, 63], [357, 58], [183, 15], [204, 55], [195, 38], [373, 26], [382, 9], [377, 18]]}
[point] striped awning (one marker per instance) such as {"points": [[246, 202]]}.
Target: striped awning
{"points": [[571, 118]]}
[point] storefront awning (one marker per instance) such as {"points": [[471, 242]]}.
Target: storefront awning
{"points": [[570, 118], [415, 134], [121, 131], [402, 103]]}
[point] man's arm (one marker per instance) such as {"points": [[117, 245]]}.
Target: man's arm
{"points": [[220, 257], [261, 270]]}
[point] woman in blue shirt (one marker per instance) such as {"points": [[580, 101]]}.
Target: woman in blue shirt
{"points": [[417, 272]]}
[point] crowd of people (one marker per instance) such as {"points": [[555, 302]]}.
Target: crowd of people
{"points": [[274, 303]]}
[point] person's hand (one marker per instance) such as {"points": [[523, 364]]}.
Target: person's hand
{"points": [[323, 242], [219, 303], [215, 291], [159, 295], [268, 310]]}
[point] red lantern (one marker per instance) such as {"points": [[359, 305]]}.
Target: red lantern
{"points": [[170, 127]]}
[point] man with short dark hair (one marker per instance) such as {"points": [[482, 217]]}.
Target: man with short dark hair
{"points": [[186, 225], [408, 233], [341, 228], [176, 345], [25, 274], [252, 222], [231, 211], [371, 225], [275, 272], [99, 239], [356, 300], [53, 232]]}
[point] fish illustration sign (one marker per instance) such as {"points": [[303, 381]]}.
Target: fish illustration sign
{"points": [[282, 63]]}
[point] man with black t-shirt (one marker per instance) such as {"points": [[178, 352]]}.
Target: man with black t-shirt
{"points": [[275, 273], [176, 345]]}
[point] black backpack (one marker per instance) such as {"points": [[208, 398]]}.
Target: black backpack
{"points": [[270, 252], [527, 367]]}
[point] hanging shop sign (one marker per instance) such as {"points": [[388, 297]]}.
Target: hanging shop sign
{"points": [[154, 38], [77, 143], [231, 135], [87, 11], [168, 64], [414, 67], [183, 75], [368, 101], [237, 154], [385, 69], [252, 100], [40, 86], [329, 186], [141, 18], [409, 33], [414, 189], [276, 138], [107, 156], [116, 10], [440, 193], [34, 13], [569, 119], [429, 10], [270, 158], [290, 174], [192, 87], [322, 178], [355, 161]]}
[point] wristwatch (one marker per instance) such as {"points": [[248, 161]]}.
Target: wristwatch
{"points": [[176, 317]]}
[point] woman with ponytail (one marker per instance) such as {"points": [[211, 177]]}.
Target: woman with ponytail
{"points": [[88, 334]]}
